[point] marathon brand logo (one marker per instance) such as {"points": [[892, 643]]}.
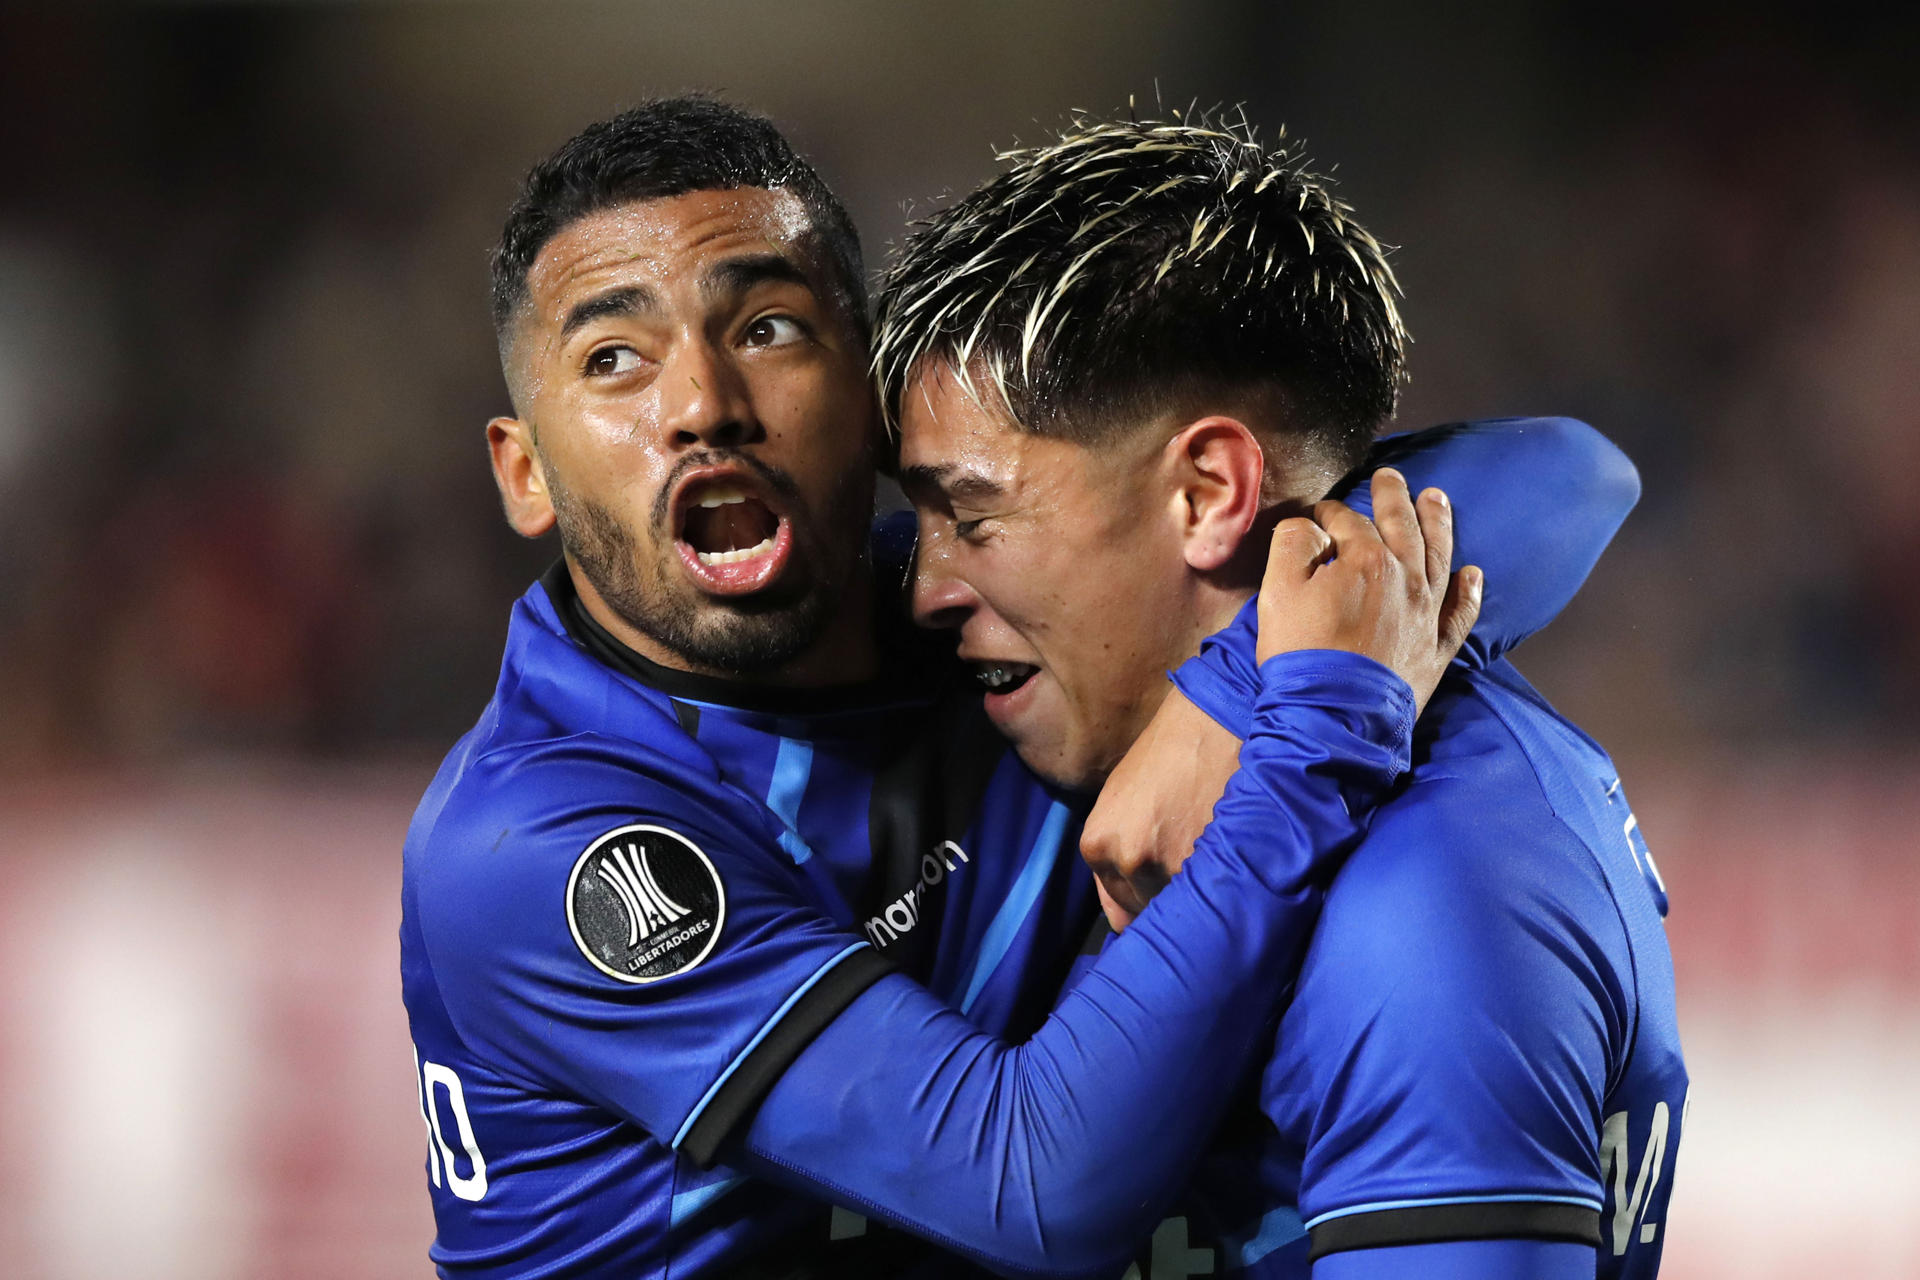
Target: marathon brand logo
{"points": [[644, 903], [902, 915]]}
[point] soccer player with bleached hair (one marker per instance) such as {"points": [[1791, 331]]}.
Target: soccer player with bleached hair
{"points": [[1113, 368], [731, 932]]}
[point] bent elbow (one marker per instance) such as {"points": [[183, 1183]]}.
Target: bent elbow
{"points": [[1611, 477]]}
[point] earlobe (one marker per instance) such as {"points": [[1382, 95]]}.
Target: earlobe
{"points": [[1220, 465], [521, 477]]}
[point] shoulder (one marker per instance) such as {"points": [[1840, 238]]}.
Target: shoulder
{"points": [[1472, 836], [530, 786], [514, 822], [1466, 999], [1453, 863], [1471, 908]]}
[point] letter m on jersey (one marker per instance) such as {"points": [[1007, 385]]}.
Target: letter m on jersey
{"points": [[626, 872]]}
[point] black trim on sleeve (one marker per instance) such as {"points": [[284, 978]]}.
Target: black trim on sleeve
{"points": [[1436, 1223], [735, 1102]]}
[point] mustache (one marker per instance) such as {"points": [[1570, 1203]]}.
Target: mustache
{"points": [[776, 479]]}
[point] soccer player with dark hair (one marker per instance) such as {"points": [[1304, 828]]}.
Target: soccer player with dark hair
{"points": [[1112, 368], [732, 904]]}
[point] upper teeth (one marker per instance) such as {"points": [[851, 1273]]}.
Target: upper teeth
{"points": [[999, 675], [721, 495], [731, 557]]}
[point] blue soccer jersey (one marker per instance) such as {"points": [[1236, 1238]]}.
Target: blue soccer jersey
{"points": [[1483, 1043]]}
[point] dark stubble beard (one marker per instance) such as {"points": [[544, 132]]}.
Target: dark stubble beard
{"points": [[752, 636]]}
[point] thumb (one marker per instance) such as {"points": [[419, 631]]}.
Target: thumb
{"points": [[1119, 915], [1461, 608]]}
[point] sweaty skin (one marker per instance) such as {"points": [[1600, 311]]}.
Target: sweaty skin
{"points": [[1037, 550], [696, 341]]}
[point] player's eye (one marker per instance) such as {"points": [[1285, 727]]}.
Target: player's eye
{"points": [[970, 530], [605, 361], [773, 331]]}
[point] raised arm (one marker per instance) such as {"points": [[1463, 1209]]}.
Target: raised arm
{"points": [[1538, 499]]}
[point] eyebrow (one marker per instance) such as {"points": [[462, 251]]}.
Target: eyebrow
{"points": [[628, 300], [952, 481], [734, 276]]}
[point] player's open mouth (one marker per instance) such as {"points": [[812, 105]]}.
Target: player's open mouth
{"points": [[731, 538], [1003, 677]]}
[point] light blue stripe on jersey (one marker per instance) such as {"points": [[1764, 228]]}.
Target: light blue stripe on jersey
{"points": [[1276, 1228], [1018, 902], [1585, 1202], [688, 1203], [765, 1027], [791, 769]]}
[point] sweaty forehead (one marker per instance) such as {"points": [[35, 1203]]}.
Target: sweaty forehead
{"points": [[966, 445], [662, 243], [944, 424], [963, 443]]}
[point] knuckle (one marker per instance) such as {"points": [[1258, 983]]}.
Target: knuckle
{"points": [[1370, 559], [1096, 846]]}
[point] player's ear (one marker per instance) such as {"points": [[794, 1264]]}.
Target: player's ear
{"points": [[1217, 467], [521, 476]]}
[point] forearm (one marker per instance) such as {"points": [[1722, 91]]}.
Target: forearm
{"points": [[1536, 502], [1029, 1157]]}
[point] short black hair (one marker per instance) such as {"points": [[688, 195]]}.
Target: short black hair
{"points": [[1134, 267], [662, 148]]}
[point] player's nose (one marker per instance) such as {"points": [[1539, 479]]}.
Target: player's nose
{"points": [[941, 598], [704, 401]]}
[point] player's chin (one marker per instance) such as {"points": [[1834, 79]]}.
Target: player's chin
{"points": [[752, 635], [1035, 719], [1022, 702]]}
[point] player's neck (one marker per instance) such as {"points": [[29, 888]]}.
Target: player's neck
{"points": [[1212, 605]]}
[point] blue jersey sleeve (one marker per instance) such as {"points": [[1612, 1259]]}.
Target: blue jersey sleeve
{"points": [[608, 919], [1028, 1158], [1536, 501], [1449, 1047]]}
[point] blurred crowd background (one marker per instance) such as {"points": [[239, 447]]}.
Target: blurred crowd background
{"points": [[253, 578]]}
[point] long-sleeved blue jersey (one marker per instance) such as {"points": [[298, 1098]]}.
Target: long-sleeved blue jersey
{"points": [[682, 960], [1483, 1043]]}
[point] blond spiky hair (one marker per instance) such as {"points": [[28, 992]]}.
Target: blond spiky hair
{"points": [[1130, 266]]}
